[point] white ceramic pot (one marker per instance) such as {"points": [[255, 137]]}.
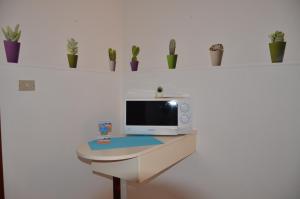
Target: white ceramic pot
{"points": [[216, 57], [112, 65]]}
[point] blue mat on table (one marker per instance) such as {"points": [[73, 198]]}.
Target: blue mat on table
{"points": [[125, 142]]}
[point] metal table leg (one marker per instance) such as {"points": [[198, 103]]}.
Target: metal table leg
{"points": [[119, 188]]}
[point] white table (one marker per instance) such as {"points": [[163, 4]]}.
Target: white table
{"points": [[137, 164]]}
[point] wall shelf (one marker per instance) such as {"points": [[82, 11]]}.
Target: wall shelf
{"points": [[215, 68], [59, 68], [126, 70]]}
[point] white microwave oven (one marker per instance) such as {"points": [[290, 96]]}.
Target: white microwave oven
{"points": [[158, 116]]}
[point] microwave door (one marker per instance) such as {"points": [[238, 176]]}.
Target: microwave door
{"points": [[151, 113]]}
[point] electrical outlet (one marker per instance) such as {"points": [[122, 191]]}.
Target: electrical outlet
{"points": [[26, 85]]}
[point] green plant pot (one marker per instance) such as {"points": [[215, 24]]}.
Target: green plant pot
{"points": [[172, 59], [72, 60], [277, 51]]}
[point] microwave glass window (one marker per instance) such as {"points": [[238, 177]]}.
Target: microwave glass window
{"points": [[151, 113]]}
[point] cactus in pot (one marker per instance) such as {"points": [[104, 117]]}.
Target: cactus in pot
{"points": [[277, 46], [172, 57], [11, 44], [112, 54], [134, 61], [216, 54], [72, 48]]}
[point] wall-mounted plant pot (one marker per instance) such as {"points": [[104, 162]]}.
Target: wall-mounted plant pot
{"points": [[216, 57], [172, 60], [72, 60], [112, 65], [12, 50], [277, 51], [134, 65]]}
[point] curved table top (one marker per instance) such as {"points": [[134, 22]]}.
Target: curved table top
{"points": [[85, 152]]}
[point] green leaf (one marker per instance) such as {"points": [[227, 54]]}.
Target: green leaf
{"points": [[5, 34], [17, 27]]}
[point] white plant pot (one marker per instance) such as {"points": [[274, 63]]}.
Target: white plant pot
{"points": [[112, 65], [216, 57]]}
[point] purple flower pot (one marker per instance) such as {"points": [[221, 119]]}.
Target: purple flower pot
{"points": [[134, 65], [12, 50]]}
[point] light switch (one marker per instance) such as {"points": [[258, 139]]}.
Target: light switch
{"points": [[26, 85]]}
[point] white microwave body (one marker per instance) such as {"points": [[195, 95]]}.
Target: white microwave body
{"points": [[158, 116]]}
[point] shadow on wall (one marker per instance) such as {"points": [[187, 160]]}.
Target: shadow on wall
{"points": [[173, 183], [161, 190], [163, 185]]}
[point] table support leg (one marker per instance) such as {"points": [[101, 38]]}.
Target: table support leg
{"points": [[119, 188], [123, 189]]}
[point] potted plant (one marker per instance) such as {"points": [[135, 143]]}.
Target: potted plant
{"points": [[277, 46], [134, 62], [11, 44], [159, 92], [216, 54], [112, 59], [72, 52], [172, 57]]}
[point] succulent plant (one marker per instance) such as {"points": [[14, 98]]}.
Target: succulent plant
{"points": [[112, 54], [159, 89], [277, 36], [172, 47], [135, 52], [216, 47], [72, 46], [10, 34]]}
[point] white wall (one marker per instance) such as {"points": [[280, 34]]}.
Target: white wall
{"points": [[242, 26], [247, 112], [46, 25], [247, 115], [248, 121], [42, 129]]}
